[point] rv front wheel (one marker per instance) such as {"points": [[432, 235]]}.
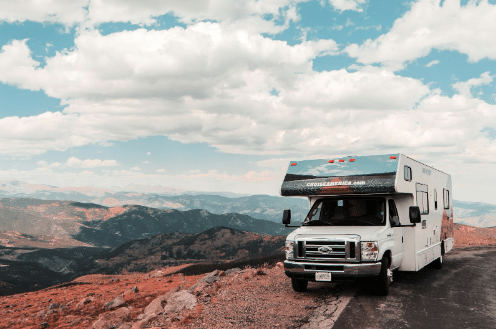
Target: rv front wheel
{"points": [[299, 285], [385, 278]]}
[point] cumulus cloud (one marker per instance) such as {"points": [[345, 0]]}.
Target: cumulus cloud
{"points": [[74, 162], [190, 11], [433, 24], [343, 5], [207, 84], [213, 84], [463, 88], [89, 14], [60, 11]]}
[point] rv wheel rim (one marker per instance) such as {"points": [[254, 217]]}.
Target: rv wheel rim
{"points": [[389, 275]]}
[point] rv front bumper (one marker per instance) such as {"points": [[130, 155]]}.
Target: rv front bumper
{"points": [[305, 270]]}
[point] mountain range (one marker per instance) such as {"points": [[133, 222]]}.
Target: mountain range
{"points": [[257, 206], [24, 269], [25, 222]]}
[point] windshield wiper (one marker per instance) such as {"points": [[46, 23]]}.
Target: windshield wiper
{"points": [[316, 222]]}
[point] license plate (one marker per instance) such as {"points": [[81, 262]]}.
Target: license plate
{"points": [[322, 276]]}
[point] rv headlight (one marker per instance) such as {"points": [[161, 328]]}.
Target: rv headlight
{"points": [[370, 251], [289, 249]]}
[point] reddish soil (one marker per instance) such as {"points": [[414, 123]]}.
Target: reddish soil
{"points": [[253, 298], [29, 310], [474, 236]]}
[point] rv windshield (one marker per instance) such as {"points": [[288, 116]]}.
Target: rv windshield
{"points": [[347, 212]]}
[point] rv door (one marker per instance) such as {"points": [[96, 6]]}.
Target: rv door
{"points": [[397, 235]]}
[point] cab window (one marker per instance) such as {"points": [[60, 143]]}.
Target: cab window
{"points": [[394, 219]]}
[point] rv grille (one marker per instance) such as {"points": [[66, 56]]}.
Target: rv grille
{"points": [[327, 250]]}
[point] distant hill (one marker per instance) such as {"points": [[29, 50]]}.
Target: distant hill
{"points": [[215, 244], [74, 223], [257, 206], [24, 269], [474, 213]]}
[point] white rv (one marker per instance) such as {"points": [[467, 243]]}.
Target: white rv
{"points": [[369, 216]]}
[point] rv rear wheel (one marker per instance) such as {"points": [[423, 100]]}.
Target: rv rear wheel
{"points": [[384, 279], [438, 263], [299, 285]]}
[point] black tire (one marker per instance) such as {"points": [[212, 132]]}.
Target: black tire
{"points": [[438, 263], [299, 285], [383, 281]]}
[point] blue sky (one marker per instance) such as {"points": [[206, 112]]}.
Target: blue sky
{"points": [[220, 95]]}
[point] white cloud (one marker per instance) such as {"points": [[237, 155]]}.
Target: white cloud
{"points": [[430, 25], [87, 14], [212, 84], [463, 88], [136, 168], [178, 82], [74, 162], [257, 177], [206, 84], [160, 170], [343, 5], [61, 11], [432, 63]]}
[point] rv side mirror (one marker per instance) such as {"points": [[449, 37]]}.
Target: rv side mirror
{"points": [[414, 214], [286, 217]]}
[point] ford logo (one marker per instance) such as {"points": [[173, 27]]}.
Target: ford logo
{"points": [[325, 250]]}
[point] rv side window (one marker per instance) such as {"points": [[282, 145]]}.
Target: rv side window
{"points": [[435, 199], [422, 198], [408, 173], [446, 199]]}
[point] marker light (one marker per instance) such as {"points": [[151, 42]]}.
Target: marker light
{"points": [[341, 160], [331, 161], [392, 157], [293, 164], [352, 160]]}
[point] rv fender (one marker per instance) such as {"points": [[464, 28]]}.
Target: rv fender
{"points": [[385, 250]]}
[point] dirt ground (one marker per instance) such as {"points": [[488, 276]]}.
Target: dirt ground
{"points": [[251, 298]]}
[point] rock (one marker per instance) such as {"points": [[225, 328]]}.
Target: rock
{"points": [[178, 301], [156, 306], [118, 301], [54, 306], [84, 301], [43, 325], [135, 289], [156, 274], [209, 278], [115, 318], [233, 270]]}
